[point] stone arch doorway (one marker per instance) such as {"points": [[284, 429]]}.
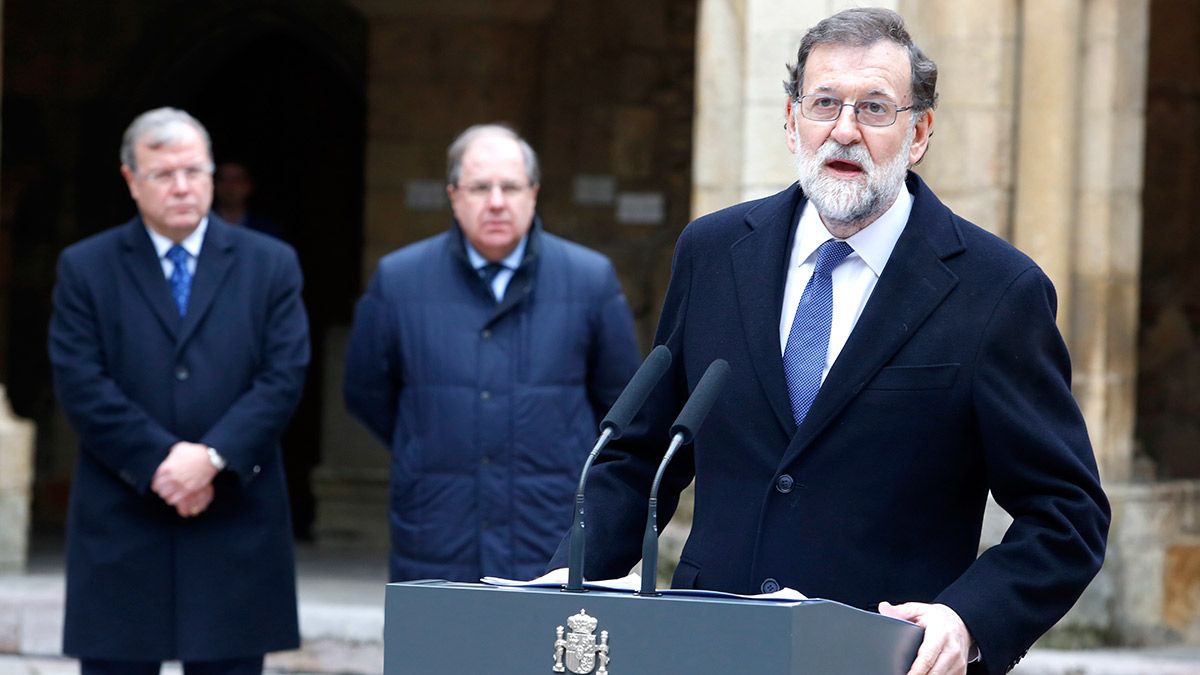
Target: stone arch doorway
{"points": [[299, 128], [292, 111], [1168, 412], [280, 87]]}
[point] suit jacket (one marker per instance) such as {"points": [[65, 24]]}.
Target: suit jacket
{"points": [[134, 378], [955, 381]]}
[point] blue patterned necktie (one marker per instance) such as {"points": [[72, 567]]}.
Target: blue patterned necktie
{"points": [[489, 272], [808, 342], [181, 278]]}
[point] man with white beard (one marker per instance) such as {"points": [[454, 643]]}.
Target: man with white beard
{"points": [[890, 364]]}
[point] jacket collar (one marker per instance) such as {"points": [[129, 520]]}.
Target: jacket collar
{"points": [[913, 284], [141, 262], [520, 287]]}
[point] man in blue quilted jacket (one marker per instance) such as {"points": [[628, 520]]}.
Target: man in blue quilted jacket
{"points": [[484, 358]]}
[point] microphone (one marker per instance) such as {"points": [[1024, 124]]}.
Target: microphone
{"points": [[682, 432], [612, 426]]}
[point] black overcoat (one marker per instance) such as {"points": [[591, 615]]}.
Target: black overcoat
{"points": [[134, 378], [955, 381]]}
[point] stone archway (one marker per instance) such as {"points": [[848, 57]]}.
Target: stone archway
{"points": [[1169, 385], [285, 96], [281, 83]]}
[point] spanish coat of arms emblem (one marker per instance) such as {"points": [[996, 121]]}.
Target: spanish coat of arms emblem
{"points": [[578, 651]]}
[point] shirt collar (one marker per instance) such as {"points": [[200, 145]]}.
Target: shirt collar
{"points": [[191, 243], [512, 261], [873, 243]]}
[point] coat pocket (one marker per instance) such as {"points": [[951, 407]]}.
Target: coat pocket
{"points": [[909, 378]]}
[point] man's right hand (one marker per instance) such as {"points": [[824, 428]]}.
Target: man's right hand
{"points": [[195, 503]]}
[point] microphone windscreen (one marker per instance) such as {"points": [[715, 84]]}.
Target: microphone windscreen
{"points": [[636, 392], [701, 400]]}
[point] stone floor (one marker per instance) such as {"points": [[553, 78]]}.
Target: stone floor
{"points": [[340, 601], [341, 623]]}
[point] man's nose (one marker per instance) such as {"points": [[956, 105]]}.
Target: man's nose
{"points": [[179, 181], [845, 128], [496, 196]]}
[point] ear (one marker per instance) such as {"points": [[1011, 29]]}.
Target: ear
{"points": [[789, 125], [921, 135], [130, 181]]}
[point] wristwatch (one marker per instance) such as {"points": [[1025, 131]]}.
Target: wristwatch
{"points": [[216, 459]]}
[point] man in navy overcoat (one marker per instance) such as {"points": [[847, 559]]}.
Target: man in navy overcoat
{"points": [[179, 345], [484, 358], [944, 378]]}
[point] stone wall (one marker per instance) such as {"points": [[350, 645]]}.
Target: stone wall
{"points": [[602, 90]]}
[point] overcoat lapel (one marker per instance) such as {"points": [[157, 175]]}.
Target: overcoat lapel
{"points": [[216, 257], [914, 283], [759, 269], [142, 264]]}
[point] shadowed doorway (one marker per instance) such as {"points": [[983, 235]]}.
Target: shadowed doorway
{"points": [[281, 90], [285, 114]]}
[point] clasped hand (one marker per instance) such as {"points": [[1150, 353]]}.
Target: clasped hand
{"points": [[184, 479]]}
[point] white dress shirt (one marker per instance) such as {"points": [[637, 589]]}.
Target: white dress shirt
{"points": [[853, 280], [510, 263], [191, 244]]}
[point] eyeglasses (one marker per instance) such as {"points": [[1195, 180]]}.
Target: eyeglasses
{"points": [[191, 174], [822, 108], [484, 190]]}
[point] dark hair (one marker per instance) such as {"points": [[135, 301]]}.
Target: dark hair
{"points": [[863, 27], [458, 148]]}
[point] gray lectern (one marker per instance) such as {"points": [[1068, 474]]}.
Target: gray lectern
{"points": [[444, 628]]}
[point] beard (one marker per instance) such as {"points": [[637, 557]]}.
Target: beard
{"points": [[854, 201]]}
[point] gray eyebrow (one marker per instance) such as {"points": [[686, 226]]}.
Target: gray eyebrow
{"points": [[871, 92]]}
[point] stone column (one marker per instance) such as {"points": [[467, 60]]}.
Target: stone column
{"points": [[1077, 184], [16, 481], [969, 163], [1107, 226], [717, 144], [1047, 123]]}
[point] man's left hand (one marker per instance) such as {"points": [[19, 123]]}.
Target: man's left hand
{"points": [[947, 640]]}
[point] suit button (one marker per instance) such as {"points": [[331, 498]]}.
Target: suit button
{"points": [[256, 469], [769, 585], [181, 373], [485, 333], [127, 477], [485, 460], [784, 483], [485, 394]]}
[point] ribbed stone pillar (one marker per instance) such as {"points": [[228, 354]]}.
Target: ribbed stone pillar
{"points": [[1107, 226]]}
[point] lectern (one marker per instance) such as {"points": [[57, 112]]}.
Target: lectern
{"points": [[446, 628]]}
